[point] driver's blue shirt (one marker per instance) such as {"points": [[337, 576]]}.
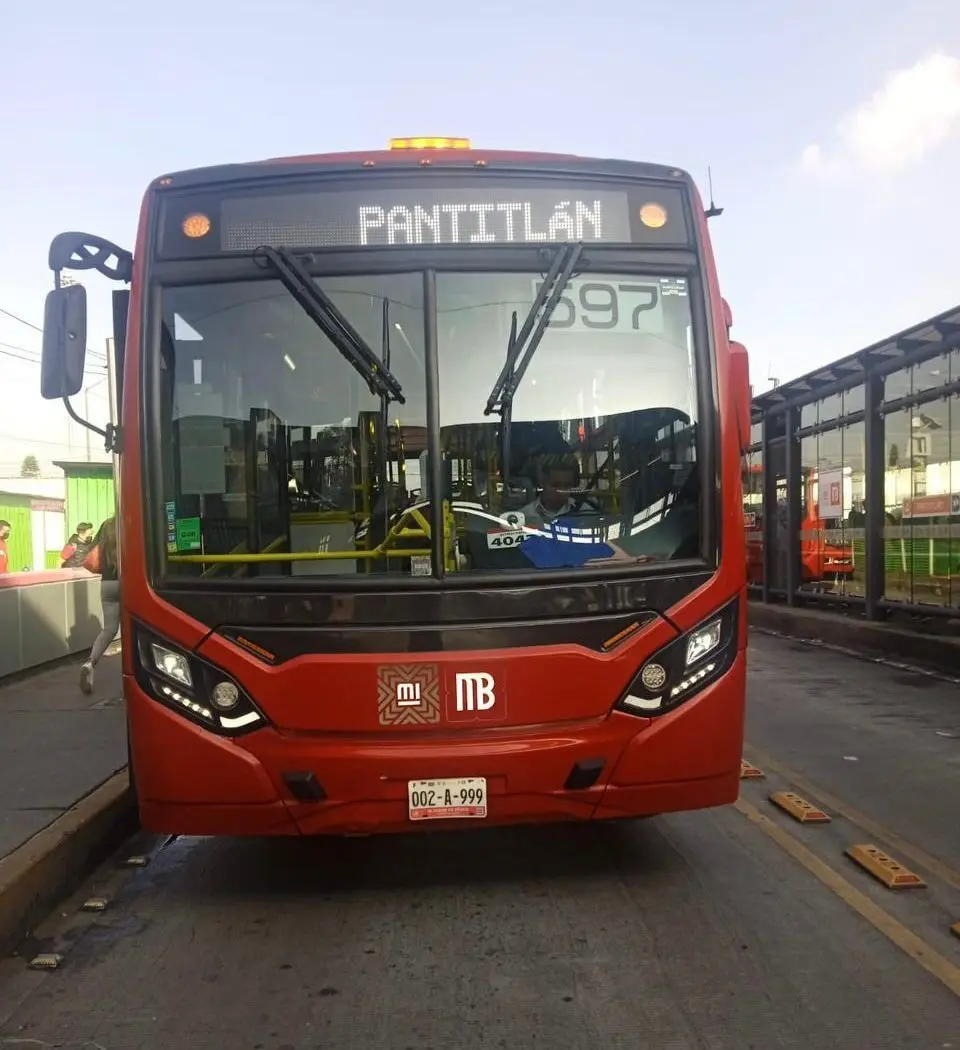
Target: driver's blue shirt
{"points": [[559, 549]]}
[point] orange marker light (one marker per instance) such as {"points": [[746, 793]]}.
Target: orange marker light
{"points": [[653, 215], [196, 226], [429, 143]]}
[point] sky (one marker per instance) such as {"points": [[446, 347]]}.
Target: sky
{"points": [[832, 131]]}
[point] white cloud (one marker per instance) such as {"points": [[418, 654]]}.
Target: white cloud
{"points": [[915, 110]]}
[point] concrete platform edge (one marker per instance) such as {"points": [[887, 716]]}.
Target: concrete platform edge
{"points": [[860, 636], [52, 864], [28, 673]]}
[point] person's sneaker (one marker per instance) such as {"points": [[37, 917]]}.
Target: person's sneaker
{"points": [[86, 678]]}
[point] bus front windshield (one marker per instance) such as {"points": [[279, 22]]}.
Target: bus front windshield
{"points": [[275, 449]]}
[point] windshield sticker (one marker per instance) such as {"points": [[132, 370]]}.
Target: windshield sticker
{"points": [[420, 565], [170, 510], [188, 535], [504, 539]]}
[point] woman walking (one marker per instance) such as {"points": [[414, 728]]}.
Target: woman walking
{"points": [[103, 560]]}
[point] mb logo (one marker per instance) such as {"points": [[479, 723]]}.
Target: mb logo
{"points": [[475, 691]]}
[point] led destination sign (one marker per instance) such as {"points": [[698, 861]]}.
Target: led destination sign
{"points": [[519, 211], [478, 215]]}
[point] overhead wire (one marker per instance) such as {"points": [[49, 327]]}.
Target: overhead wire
{"points": [[37, 328]]}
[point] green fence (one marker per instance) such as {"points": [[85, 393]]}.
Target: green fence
{"points": [[910, 557], [923, 557]]}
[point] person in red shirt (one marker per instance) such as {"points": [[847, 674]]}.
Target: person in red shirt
{"points": [[4, 556]]}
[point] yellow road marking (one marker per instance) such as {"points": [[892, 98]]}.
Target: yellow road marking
{"points": [[925, 860], [907, 941], [799, 808]]}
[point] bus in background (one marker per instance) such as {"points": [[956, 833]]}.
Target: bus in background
{"points": [[430, 491], [827, 560]]}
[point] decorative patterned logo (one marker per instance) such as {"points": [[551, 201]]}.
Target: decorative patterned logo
{"points": [[408, 694]]}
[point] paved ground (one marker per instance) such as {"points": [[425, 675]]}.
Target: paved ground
{"points": [[735, 928], [56, 745], [883, 739]]}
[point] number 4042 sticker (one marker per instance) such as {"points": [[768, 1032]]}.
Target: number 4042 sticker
{"points": [[507, 538]]}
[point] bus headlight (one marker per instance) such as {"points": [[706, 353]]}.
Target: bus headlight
{"points": [[171, 663], [193, 687], [684, 666], [703, 640]]}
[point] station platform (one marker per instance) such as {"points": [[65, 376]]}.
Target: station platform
{"points": [[56, 744], [63, 791], [933, 645]]}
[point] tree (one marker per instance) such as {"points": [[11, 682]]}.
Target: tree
{"points": [[30, 467]]}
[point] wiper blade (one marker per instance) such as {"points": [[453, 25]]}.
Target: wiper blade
{"points": [[528, 339], [318, 306]]}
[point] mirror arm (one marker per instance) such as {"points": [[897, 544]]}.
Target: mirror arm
{"points": [[111, 436], [84, 251]]}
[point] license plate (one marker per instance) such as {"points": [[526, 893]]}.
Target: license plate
{"points": [[445, 799]]}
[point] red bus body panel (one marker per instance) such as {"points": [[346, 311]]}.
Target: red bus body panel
{"points": [[559, 700], [687, 759]]}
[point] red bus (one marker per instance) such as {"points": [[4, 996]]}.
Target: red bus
{"points": [[824, 563], [430, 506]]}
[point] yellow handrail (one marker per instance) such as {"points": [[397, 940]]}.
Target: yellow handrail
{"points": [[398, 531], [240, 546], [278, 542]]}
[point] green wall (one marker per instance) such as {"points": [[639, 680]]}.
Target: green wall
{"points": [[90, 493]]}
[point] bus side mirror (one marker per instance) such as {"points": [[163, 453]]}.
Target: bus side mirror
{"points": [[740, 376], [64, 342]]}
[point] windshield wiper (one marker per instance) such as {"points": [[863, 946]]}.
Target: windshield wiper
{"points": [[318, 306], [528, 339], [526, 342]]}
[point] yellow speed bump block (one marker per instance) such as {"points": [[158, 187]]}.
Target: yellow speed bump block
{"points": [[799, 808], [888, 871], [748, 772]]}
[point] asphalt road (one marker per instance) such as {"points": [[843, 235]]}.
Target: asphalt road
{"points": [[733, 928]]}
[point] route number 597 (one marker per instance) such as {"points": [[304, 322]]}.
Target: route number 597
{"points": [[606, 306]]}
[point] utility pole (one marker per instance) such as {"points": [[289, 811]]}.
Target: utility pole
{"points": [[86, 415]]}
